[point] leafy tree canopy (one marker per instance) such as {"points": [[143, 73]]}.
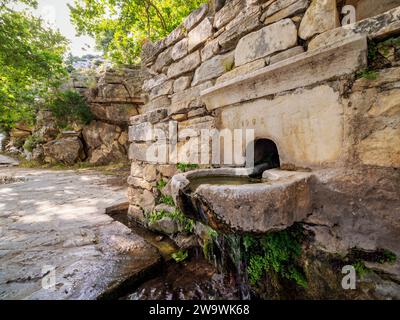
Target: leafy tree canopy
{"points": [[31, 62], [120, 27]]}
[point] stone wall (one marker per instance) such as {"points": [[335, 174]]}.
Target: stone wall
{"points": [[327, 96], [282, 68]]}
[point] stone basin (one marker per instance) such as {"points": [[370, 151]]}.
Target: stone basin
{"points": [[273, 203]]}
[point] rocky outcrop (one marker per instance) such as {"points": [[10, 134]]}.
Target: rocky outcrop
{"points": [[66, 150], [106, 143]]}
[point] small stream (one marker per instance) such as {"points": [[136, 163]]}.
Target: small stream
{"points": [[193, 279]]}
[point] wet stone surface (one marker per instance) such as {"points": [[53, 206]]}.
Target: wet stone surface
{"points": [[54, 230]]}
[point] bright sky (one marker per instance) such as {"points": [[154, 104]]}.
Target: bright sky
{"points": [[56, 13]]}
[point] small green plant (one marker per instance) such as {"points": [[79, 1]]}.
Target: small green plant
{"points": [[165, 199], [368, 74], [388, 257], [69, 107], [361, 269], [155, 216], [180, 256], [277, 252], [185, 167], [385, 46], [32, 142], [176, 215]]}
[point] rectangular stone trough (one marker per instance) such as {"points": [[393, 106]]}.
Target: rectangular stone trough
{"points": [[280, 200]]}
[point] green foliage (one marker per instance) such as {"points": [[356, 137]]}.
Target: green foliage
{"points": [[168, 200], [176, 215], [385, 46], [70, 107], [121, 27], [32, 142], [180, 256], [277, 252], [368, 74], [31, 63], [388, 257], [361, 269], [185, 167]]}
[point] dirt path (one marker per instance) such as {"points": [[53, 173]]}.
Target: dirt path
{"points": [[55, 220]]}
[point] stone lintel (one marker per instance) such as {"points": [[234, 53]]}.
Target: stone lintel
{"points": [[343, 58]]}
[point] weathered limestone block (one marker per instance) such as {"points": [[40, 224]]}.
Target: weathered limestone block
{"points": [[153, 82], [386, 104], [167, 170], [157, 103], [142, 198], [188, 99], [214, 67], [161, 90], [180, 49], [67, 150], [369, 8], [290, 120], [381, 148], [153, 116], [116, 113], [192, 128], [275, 37], [384, 77], [244, 23], [380, 26], [163, 59], [299, 71], [195, 17], [228, 13], [175, 36], [321, 16], [140, 183], [182, 83], [138, 151], [150, 173], [187, 64], [293, 9], [141, 132], [136, 170], [286, 54], [135, 213], [210, 49], [244, 69], [199, 34]]}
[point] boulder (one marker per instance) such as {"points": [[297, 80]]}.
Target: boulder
{"points": [[165, 225], [321, 16], [66, 150], [107, 154], [99, 133]]}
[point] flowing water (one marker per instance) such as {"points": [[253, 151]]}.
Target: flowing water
{"points": [[193, 279]]}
